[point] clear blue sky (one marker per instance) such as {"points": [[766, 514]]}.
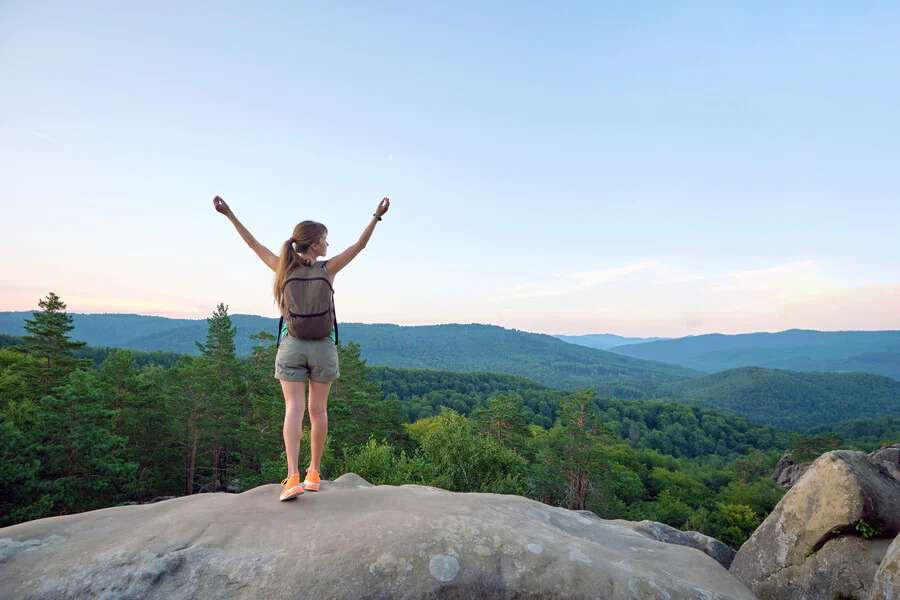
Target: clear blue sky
{"points": [[632, 168]]}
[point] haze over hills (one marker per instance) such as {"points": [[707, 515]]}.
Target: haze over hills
{"points": [[875, 352], [604, 341]]}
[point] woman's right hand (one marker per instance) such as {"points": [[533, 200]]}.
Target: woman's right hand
{"points": [[221, 206]]}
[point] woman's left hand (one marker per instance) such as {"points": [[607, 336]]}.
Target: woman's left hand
{"points": [[383, 207], [221, 206]]}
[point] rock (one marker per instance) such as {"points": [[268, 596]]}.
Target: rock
{"points": [[351, 540], [152, 501], [887, 579], [845, 565], [712, 547], [808, 546], [787, 472], [889, 458]]}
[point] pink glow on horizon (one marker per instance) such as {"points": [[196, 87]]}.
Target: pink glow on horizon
{"points": [[866, 308]]}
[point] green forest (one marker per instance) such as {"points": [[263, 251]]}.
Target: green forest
{"points": [[790, 399], [85, 428]]}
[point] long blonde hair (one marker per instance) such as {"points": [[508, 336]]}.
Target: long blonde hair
{"points": [[305, 235]]}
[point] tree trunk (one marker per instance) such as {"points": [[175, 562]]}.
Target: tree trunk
{"points": [[189, 484]]}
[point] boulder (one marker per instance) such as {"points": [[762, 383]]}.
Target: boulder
{"points": [[351, 540], [787, 472], [889, 458], [809, 546], [692, 539], [887, 579]]}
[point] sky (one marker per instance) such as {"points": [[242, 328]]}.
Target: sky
{"points": [[641, 168]]}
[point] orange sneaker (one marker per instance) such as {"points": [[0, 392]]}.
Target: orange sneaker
{"points": [[311, 483], [292, 487]]}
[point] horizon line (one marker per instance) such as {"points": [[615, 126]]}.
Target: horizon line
{"points": [[556, 335]]}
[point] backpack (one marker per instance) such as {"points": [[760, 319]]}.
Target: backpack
{"points": [[308, 303]]}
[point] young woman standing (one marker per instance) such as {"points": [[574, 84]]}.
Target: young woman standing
{"points": [[302, 360]]}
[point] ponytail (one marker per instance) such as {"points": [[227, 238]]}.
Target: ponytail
{"points": [[305, 234]]}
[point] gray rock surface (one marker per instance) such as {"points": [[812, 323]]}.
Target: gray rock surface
{"points": [[887, 579], [712, 547], [808, 546], [787, 472], [351, 540], [889, 458]]}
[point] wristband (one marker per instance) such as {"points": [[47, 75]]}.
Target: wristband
{"points": [[376, 216]]}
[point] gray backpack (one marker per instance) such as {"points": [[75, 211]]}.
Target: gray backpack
{"points": [[309, 303]]}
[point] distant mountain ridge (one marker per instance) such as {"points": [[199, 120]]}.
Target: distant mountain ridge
{"points": [[782, 398], [452, 347], [876, 352], [605, 341]]}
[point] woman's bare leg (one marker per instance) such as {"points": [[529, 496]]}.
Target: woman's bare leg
{"points": [[318, 420], [294, 406]]}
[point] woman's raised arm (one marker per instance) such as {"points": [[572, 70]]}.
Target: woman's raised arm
{"points": [[343, 259], [262, 252]]}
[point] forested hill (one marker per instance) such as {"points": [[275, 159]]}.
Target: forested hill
{"points": [[668, 427], [875, 352], [542, 358], [812, 402], [782, 398], [792, 400]]}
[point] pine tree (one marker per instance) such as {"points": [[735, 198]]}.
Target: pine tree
{"points": [[502, 420], [219, 347], [189, 384], [82, 461], [578, 444], [141, 405], [20, 492], [225, 396], [117, 371], [356, 409], [260, 437], [48, 348]]}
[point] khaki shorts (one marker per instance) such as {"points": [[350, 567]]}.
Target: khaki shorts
{"points": [[299, 360]]}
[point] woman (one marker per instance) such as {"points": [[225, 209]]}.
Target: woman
{"points": [[299, 360]]}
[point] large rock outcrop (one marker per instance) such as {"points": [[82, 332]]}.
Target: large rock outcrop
{"points": [[692, 539], [887, 579], [787, 472], [889, 458], [811, 545], [351, 540]]}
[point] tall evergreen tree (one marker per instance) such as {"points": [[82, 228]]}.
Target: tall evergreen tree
{"points": [[48, 347], [260, 436], [219, 346], [503, 421], [82, 461], [578, 441], [143, 416], [356, 410], [21, 497], [117, 371], [224, 396]]}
